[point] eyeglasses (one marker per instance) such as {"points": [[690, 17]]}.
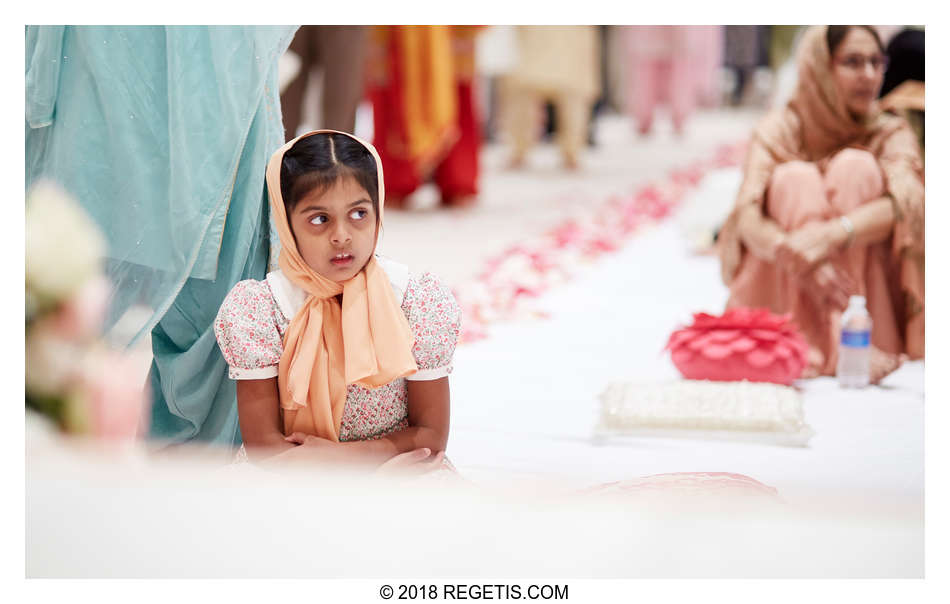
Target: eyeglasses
{"points": [[858, 62]]}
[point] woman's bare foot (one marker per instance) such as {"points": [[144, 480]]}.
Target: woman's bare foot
{"points": [[884, 364], [816, 363]]}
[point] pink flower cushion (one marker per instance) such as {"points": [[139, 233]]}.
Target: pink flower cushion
{"points": [[742, 344]]}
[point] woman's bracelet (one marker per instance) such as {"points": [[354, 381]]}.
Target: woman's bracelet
{"points": [[848, 226]]}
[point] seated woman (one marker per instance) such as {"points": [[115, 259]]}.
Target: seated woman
{"points": [[832, 205]]}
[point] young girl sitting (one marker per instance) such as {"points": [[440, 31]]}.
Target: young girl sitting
{"points": [[341, 355]]}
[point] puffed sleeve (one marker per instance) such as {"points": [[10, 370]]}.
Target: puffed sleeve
{"points": [[247, 333], [433, 317]]}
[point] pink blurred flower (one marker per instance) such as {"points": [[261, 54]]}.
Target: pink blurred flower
{"points": [[600, 243], [110, 392], [81, 316], [50, 359], [730, 155], [567, 234], [690, 176]]}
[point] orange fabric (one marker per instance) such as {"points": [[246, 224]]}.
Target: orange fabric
{"points": [[456, 174], [813, 127], [463, 39], [413, 65], [327, 346]]}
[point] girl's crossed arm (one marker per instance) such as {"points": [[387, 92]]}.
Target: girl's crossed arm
{"points": [[259, 414], [428, 429]]}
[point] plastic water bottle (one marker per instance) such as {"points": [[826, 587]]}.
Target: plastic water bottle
{"points": [[854, 354]]}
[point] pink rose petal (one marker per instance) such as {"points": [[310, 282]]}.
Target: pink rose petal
{"points": [[782, 350], [724, 335], [682, 355], [743, 344], [700, 342], [760, 358], [717, 352]]}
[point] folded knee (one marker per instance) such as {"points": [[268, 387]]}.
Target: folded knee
{"points": [[853, 177], [796, 194], [795, 174], [855, 163]]}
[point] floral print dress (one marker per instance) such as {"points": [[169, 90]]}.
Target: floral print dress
{"points": [[251, 323]]}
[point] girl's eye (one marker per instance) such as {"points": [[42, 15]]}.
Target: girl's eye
{"points": [[321, 219], [358, 214]]}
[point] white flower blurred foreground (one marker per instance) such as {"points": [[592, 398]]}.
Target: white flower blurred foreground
{"points": [[72, 377], [64, 248]]}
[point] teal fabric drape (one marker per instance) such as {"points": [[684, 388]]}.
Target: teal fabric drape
{"points": [[163, 135]]}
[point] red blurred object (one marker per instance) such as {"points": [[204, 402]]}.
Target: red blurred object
{"points": [[742, 344]]}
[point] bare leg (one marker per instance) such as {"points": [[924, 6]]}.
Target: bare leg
{"points": [[853, 178], [796, 196]]}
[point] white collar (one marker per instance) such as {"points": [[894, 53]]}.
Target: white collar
{"points": [[290, 297]]}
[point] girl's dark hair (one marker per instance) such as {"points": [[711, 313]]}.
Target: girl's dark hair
{"points": [[836, 33], [318, 161]]}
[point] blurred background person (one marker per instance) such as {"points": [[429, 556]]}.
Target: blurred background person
{"points": [[905, 51], [136, 124], [708, 61], [782, 40], [832, 205], [600, 105], [495, 55], [560, 64], [903, 87], [674, 65], [746, 51], [334, 54], [425, 121]]}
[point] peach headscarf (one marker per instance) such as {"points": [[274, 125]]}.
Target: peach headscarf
{"points": [[327, 346], [823, 125], [812, 127]]}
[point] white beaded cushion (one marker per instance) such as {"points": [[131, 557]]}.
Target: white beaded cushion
{"points": [[750, 411]]}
